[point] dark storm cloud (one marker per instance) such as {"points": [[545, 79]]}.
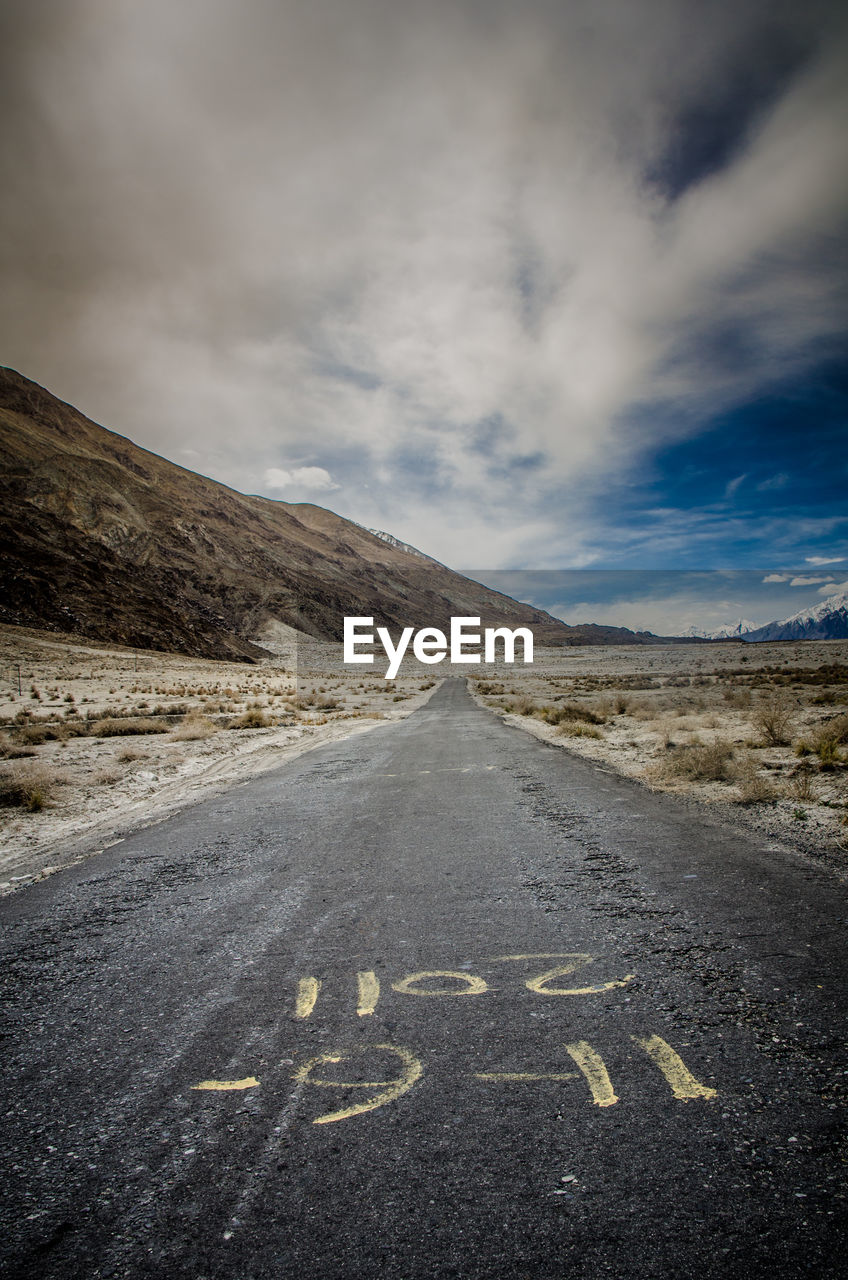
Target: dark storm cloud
{"points": [[328, 240]]}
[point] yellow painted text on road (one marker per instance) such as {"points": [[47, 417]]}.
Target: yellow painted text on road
{"points": [[471, 985], [389, 1090], [593, 1068], [226, 1086], [519, 1077], [307, 994], [574, 960], [684, 1086], [368, 985]]}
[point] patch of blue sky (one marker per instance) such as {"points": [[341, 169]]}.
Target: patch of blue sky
{"points": [[668, 601], [765, 484]]}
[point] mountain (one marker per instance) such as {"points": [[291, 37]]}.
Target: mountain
{"points": [[109, 541], [825, 621], [730, 631], [403, 546]]}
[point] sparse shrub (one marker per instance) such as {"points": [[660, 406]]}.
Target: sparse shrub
{"points": [[521, 706], [26, 786], [577, 729], [569, 711], [34, 734], [697, 762], [838, 728], [9, 750], [773, 719], [828, 753], [107, 777], [752, 786], [827, 739], [253, 719], [801, 785], [121, 726], [194, 728], [644, 710], [128, 754]]}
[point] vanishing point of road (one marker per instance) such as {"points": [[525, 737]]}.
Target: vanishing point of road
{"points": [[436, 1001]]}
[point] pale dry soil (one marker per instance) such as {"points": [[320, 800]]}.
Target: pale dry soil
{"points": [[757, 731], [76, 733]]}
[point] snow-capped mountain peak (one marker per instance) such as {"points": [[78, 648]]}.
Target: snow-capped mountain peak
{"points": [[827, 620], [730, 631]]}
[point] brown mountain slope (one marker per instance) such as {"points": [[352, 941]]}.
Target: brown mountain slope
{"points": [[105, 539]]}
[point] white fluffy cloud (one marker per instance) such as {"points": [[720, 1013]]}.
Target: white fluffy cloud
{"points": [[278, 480]]}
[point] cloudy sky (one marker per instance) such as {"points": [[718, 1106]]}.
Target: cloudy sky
{"points": [[556, 283]]}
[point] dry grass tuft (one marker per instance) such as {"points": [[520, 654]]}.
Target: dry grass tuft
{"points": [[752, 786], [121, 726], [253, 719], [26, 785], [801, 785], [194, 728], [773, 718], [107, 777], [696, 762], [577, 729]]}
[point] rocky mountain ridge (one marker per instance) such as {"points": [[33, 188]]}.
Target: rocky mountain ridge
{"points": [[107, 540]]}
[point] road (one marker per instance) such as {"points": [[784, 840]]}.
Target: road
{"points": [[437, 1001]]}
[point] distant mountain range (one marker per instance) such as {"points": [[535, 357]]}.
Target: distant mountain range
{"points": [[825, 621], [106, 540], [731, 631]]}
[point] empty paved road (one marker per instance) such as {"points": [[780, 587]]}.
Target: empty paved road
{"points": [[460, 1004]]}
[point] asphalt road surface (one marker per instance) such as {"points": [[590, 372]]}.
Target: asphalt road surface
{"points": [[437, 1001]]}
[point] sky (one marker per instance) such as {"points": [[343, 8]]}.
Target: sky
{"points": [[538, 285], [672, 602]]}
